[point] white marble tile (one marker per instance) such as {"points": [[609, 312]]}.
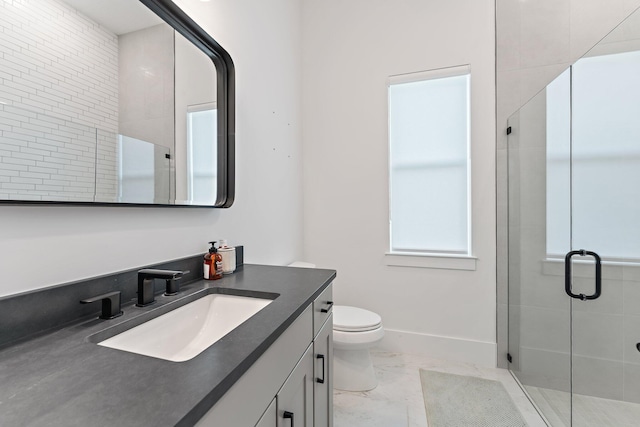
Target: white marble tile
{"points": [[554, 404], [508, 34], [545, 30], [592, 20], [631, 296], [631, 381], [543, 368], [588, 411], [599, 377], [597, 335], [610, 302], [509, 83], [533, 80], [545, 328], [368, 409], [398, 400], [631, 338]]}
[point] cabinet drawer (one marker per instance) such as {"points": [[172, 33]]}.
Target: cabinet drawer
{"points": [[322, 308], [269, 417], [295, 398], [323, 376]]}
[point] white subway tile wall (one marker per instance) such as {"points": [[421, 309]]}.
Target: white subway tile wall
{"points": [[58, 99]]}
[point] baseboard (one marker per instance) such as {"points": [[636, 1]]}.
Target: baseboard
{"points": [[438, 347]]}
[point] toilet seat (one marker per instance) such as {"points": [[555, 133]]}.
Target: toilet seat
{"points": [[354, 319], [357, 340]]}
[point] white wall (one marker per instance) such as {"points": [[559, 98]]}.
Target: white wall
{"points": [[46, 245], [146, 101], [350, 50]]}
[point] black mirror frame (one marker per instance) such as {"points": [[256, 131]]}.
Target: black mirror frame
{"points": [[182, 23]]}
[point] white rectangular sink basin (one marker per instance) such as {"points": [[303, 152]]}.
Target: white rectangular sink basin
{"points": [[187, 331]]}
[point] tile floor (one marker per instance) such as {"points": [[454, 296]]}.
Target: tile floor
{"points": [[588, 411], [397, 401]]}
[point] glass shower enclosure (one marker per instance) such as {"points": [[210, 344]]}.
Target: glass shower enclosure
{"points": [[574, 239]]}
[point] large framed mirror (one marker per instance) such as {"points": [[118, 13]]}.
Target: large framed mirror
{"points": [[116, 102]]}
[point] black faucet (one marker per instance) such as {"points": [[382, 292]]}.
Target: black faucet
{"points": [[110, 304], [145, 284]]}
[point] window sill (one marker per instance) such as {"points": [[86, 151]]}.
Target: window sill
{"points": [[446, 262], [611, 269]]}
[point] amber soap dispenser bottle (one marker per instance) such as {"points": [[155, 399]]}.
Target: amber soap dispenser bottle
{"points": [[212, 263]]}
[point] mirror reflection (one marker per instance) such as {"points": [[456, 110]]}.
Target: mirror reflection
{"points": [[102, 101]]}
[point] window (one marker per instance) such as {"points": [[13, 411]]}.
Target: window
{"points": [[593, 158], [429, 163]]}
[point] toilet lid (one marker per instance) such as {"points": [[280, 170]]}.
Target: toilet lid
{"points": [[354, 319]]}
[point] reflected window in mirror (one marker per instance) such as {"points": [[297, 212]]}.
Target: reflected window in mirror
{"points": [[202, 156]]}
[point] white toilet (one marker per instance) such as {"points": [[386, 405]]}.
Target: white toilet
{"points": [[355, 331]]}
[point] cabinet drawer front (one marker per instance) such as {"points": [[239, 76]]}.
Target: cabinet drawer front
{"points": [[269, 418], [295, 398], [322, 308], [323, 376]]}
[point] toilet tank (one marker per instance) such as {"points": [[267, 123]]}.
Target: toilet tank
{"points": [[302, 264]]}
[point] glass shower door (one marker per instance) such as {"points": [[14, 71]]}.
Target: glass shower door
{"points": [[574, 244], [539, 309], [605, 199]]}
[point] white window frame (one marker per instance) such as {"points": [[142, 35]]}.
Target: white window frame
{"points": [[433, 258]]}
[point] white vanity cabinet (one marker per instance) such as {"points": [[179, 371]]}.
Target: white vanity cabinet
{"points": [[306, 398], [323, 375], [322, 309], [269, 417], [281, 389], [295, 399]]}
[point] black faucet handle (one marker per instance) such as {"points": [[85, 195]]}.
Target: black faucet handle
{"points": [[173, 287], [110, 304], [161, 274]]}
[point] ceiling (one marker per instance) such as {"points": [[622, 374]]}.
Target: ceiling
{"points": [[119, 16]]}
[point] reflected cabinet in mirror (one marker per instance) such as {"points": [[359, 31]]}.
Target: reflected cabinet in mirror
{"points": [[113, 102]]}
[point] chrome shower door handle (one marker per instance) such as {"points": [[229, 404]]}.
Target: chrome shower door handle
{"points": [[567, 274]]}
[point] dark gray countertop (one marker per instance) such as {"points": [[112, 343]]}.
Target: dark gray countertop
{"points": [[63, 379]]}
